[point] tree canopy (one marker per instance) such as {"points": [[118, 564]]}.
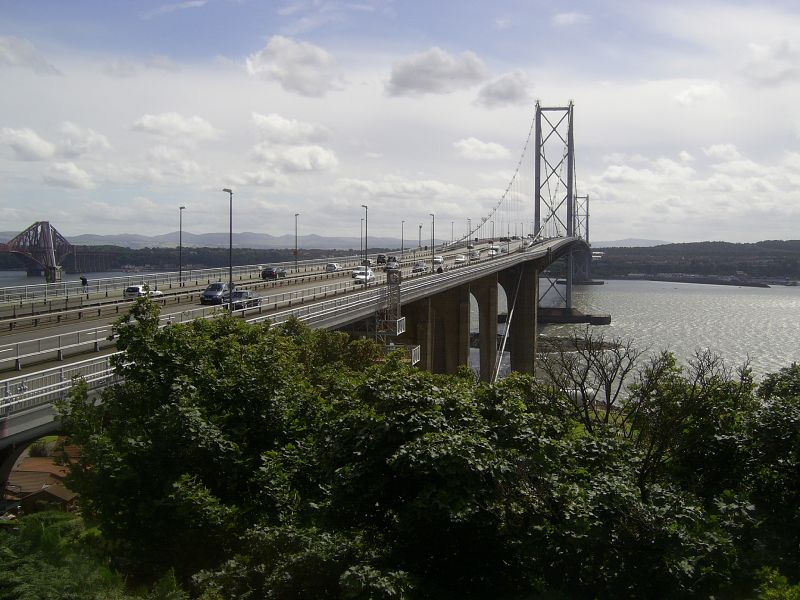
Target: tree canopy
{"points": [[258, 461]]}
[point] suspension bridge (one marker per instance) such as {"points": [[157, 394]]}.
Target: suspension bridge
{"points": [[427, 315]]}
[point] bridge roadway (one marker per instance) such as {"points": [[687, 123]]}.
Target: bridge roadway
{"points": [[26, 398]]}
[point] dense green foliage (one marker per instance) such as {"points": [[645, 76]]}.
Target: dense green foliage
{"points": [[280, 462]]}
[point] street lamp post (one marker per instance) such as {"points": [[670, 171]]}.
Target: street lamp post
{"points": [[433, 245], [295, 241], [402, 232], [419, 245], [361, 239], [451, 232], [180, 245], [366, 233], [230, 250]]}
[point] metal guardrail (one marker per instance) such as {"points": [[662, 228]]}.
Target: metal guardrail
{"points": [[158, 281], [30, 391]]}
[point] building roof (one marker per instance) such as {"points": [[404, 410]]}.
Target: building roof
{"points": [[58, 491], [41, 464], [21, 483]]}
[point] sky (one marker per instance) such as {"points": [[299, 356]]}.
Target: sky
{"points": [[115, 113]]}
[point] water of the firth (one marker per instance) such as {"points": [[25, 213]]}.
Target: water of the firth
{"points": [[735, 322]]}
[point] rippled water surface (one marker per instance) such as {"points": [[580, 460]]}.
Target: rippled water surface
{"points": [[735, 322]]}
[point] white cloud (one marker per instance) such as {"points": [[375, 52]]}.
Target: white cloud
{"points": [[509, 89], [501, 23], [567, 19], [296, 158], [21, 53], [170, 163], [699, 93], [268, 178], [685, 156], [26, 144], [423, 190], [120, 69], [162, 63], [722, 152], [773, 64], [174, 125], [280, 130], [168, 8], [299, 67], [67, 175], [77, 141], [474, 149], [437, 72]]}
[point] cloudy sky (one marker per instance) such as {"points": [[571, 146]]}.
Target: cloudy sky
{"points": [[113, 114]]}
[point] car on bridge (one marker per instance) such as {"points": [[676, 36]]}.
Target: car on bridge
{"points": [[245, 299], [216, 293], [460, 260], [475, 255], [137, 291], [419, 267], [357, 271], [438, 260], [333, 267], [273, 273], [364, 277], [381, 259], [391, 263]]}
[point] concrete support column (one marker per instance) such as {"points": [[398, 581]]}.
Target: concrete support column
{"points": [[485, 292], [451, 334], [522, 330], [420, 325]]}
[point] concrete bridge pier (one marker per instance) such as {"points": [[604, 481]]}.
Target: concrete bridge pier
{"points": [[440, 326], [485, 292], [522, 280], [451, 338]]}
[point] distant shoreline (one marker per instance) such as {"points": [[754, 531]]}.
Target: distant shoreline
{"points": [[710, 281]]}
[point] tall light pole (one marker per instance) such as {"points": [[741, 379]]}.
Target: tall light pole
{"points": [[361, 239], [366, 232], [419, 245], [180, 245], [469, 231], [433, 246], [451, 232], [402, 232], [230, 251], [492, 231], [295, 241]]}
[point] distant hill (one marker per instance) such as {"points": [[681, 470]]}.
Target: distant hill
{"points": [[629, 243], [244, 239]]}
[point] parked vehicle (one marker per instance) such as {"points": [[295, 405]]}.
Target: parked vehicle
{"points": [[365, 276], [419, 267], [215, 293], [137, 291], [438, 260], [332, 267], [381, 259], [273, 273], [245, 299], [460, 260]]}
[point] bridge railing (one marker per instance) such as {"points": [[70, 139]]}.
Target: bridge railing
{"points": [[168, 280], [45, 387]]}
